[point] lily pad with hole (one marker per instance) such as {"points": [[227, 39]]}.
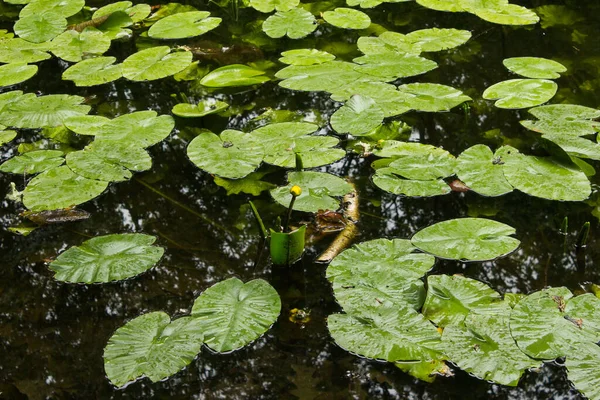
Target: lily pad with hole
{"points": [[467, 239], [234, 75], [153, 346], [432, 97], [23, 51], [155, 63], [435, 39], [295, 24], [75, 46], [42, 27], [64, 8], [11, 74], [144, 128], [521, 93], [534, 67], [183, 25], [94, 71], [347, 18], [233, 313], [267, 6], [358, 116], [107, 258], [33, 162], [305, 57], [205, 107], [60, 188], [31, 111], [85, 124], [318, 191], [482, 172], [564, 119]]}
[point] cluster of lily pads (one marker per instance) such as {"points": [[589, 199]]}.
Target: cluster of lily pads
{"points": [[391, 314]]}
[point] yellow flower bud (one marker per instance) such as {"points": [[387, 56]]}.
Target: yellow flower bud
{"points": [[296, 190]]}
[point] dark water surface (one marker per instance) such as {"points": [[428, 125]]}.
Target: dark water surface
{"points": [[52, 334]]}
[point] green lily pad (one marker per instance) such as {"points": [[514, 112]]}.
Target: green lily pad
{"points": [[305, 57], [144, 128], [484, 347], [267, 6], [107, 258], [183, 25], [391, 101], [318, 191], [204, 107], [552, 323], [432, 97], [250, 184], [7, 136], [31, 111], [234, 75], [358, 116], [328, 76], [482, 172], [295, 23], [94, 71], [450, 299], [387, 180], [521, 93], [155, 63], [233, 314], [442, 5], [467, 239], [33, 162], [74, 46], [564, 119], [22, 50], [420, 162], [151, 345], [38, 28], [544, 177], [347, 18], [137, 13], [11, 74], [114, 26], [576, 146], [582, 367], [510, 14], [85, 124], [60, 188], [233, 154], [435, 39], [64, 8], [534, 67], [388, 42], [390, 66], [379, 273]]}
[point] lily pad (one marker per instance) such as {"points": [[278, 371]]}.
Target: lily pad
{"points": [[11, 74], [85, 124], [552, 323], [234, 75], [564, 119], [31, 111], [576, 146], [358, 116], [450, 299], [114, 26], [391, 101], [467, 239], [38, 28], [305, 57], [442, 5], [233, 314], [233, 154], [388, 42], [75, 46], [379, 273], [328, 76], [421, 162], [151, 345], [94, 71], [33, 162], [183, 25], [64, 8], [435, 39], [23, 51], [387, 180], [60, 188], [295, 23], [510, 14], [138, 13], [389, 66], [318, 191], [250, 184], [534, 67], [144, 128], [7, 136], [432, 97], [107, 258], [482, 172], [521, 93], [347, 18], [267, 6], [582, 367], [204, 107], [155, 63]]}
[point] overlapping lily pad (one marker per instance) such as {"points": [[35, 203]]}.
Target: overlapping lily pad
{"points": [[387, 179], [64, 8], [155, 63], [482, 172], [74, 46], [268, 6], [305, 57], [33, 162], [435, 39], [23, 51], [358, 116], [94, 71], [432, 97], [137, 13], [582, 367], [204, 107], [183, 25], [564, 119], [38, 28], [295, 23], [389, 66], [85, 124], [144, 128], [31, 111]]}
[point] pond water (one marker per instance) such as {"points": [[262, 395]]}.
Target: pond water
{"points": [[52, 334]]}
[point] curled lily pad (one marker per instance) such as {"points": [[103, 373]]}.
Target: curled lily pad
{"points": [[435, 39], [60, 188], [22, 50], [467, 239], [151, 345], [33, 162], [347, 18], [204, 107], [11, 74], [432, 97], [85, 124], [94, 71], [317, 191], [107, 258], [183, 25], [74, 46], [38, 28], [564, 119], [482, 172], [534, 67], [155, 63], [305, 57], [31, 111], [144, 128], [65, 8], [521, 93], [233, 314], [358, 116], [295, 23], [234, 75], [268, 6]]}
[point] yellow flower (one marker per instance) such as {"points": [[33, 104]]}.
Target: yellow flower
{"points": [[296, 190]]}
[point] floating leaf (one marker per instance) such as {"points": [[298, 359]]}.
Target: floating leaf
{"points": [[388, 42], [94, 71], [107, 258], [358, 116], [33, 162], [419, 161], [432, 97], [144, 128], [582, 367], [534, 67], [387, 180], [250, 184], [441, 5], [482, 172], [75, 46], [317, 191], [138, 13], [564, 119], [151, 345], [233, 314], [510, 14], [234, 75], [296, 23], [521, 93], [347, 18], [204, 107], [64, 8], [391, 66], [23, 51], [11, 74], [183, 25], [328, 76], [391, 101], [38, 28], [85, 124], [305, 57], [7, 136], [450, 299], [268, 6], [467, 239], [435, 39], [576, 146], [114, 25], [31, 111], [379, 273], [60, 188], [155, 63]]}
